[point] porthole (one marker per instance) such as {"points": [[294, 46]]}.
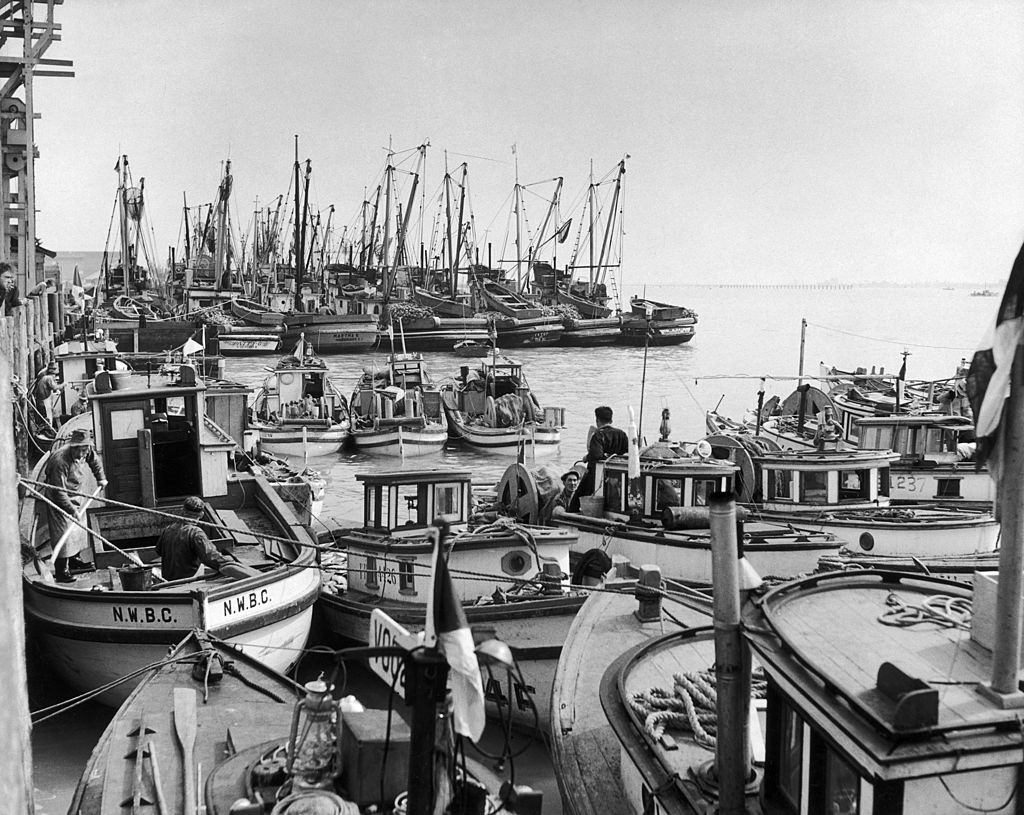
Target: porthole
{"points": [[515, 563], [867, 541]]}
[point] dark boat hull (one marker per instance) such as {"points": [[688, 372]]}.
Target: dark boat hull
{"points": [[635, 331], [536, 332], [332, 333], [589, 333]]}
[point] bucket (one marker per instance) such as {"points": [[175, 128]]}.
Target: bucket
{"points": [[135, 578], [119, 379], [592, 505]]}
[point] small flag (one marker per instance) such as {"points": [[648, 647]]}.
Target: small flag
{"points": [[191, 347], [563, 231], [901, 385], [988, 380], [446, 622]]}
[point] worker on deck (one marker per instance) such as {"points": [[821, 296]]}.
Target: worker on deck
{"points": [[183, 546], [63, 476], [828, 432], [43, 389]]}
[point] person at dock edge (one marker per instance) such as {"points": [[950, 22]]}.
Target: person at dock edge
{"points": [[605, 440], [183, 545], [10, 298], [63, 476]]}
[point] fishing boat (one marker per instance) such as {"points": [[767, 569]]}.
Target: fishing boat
{"points": [[649, 322], [441, 305], [523, 599], [518, 321], [299, 411], [586, 333], [430, 333], [247, 341], [660, 517], [158, 445], [847, 493], [650, 718], [789, 424], [591, 306], [397, 411], [493, 409], [255, 314], [210, 730]]}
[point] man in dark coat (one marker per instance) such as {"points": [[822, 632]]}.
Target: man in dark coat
{"points": [[183, 545], [63, 476], [10, 297], [604, 441]]}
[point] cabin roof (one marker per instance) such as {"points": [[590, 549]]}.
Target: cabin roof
{"points": [[830, 459], [834, 641], [414, 476], [953, 422], [137, 385]]}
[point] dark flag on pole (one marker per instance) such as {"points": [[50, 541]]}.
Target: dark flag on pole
{"points": [[988, 380], [901, 385], [563, 231]]}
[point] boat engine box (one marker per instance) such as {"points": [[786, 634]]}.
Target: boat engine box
{"points": [[364, 735], [983, 616]]}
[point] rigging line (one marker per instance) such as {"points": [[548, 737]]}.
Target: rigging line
{"points": [[481, 158], [890, 342]]}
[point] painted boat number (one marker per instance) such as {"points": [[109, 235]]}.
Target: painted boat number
{"points": [[524, 694], [143, 614], [908, 483]]}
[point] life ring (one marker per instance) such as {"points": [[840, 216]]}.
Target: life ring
{"points": [[286, 378], [490, 412]]}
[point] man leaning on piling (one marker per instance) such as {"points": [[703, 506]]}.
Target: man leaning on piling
{"points": [[10, 297]]}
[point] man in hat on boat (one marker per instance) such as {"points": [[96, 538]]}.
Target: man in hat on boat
{"points": [[63, 475], [43, 389], [570, 483], [183, 546]]}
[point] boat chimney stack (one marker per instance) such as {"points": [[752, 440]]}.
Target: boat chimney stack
{"points": [[732, 660]]}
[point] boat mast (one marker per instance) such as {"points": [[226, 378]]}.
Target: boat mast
{"points": [[403, 228], [297, 252], [519, 241], [386, 245], [607, 242], [222, 217], [458, 240], [188, 235], [592, 196], [448, 216], [123, 216]]}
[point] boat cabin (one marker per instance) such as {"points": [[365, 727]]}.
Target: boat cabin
{"points": [[920, 439], [813, 481], [77, 364], [408, 501], [670, 477], [299, 387], [400, 393], [157, 443]]}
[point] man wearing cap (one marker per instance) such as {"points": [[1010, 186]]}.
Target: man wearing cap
{"points": [[183, 545], [605, 440], [570, 481], [63, 476]]}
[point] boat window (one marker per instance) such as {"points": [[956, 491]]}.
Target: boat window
{"points": [[883, 482], [613, 492], [668, 493], [841, 787], [126, 424], [406, 580], [791, 753], [411, 509], [876, 438], [371, 572], [854, 485], [446, 499], [702, 489], [780, 485], [814, 487], [947, 488]]}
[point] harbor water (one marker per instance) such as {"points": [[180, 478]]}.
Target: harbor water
{"points": [[744, 333]]}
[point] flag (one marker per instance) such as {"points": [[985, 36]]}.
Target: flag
{"points": [[988, 380], [901, 384], [191, 347], [563, 231], [446, 623]]}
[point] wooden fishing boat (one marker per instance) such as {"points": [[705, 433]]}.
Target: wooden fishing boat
{"points": [[77, 364], [299, 411], [652, 323], [397, 411], [332, 333], [210, 730], [252, 313], [593, 307], [586, 333], [846, 493], [441, 305], [238, 341], [439, 333], [158, 445], [523, 600], [662, 519], [789, 424], [494, 410], [499, 298], [533, 332]]}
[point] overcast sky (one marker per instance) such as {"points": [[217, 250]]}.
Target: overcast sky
{"points": [[768, 140]]}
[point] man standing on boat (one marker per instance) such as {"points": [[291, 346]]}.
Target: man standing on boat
{"points": [[605, 440], [63, 476], [183, 545]]}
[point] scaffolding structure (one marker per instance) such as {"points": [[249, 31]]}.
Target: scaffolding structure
{"points": [[27, 29]]}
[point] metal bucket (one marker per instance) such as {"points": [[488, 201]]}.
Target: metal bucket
{"points": [[135, 578], [592, 505]]}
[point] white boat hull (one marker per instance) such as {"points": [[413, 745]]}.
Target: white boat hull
{"points": [[90, 639], [244, 345], [537, 440], [388, 441], [290, 441]]}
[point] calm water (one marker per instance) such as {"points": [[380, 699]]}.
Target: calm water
{"points": [[743, 334]]}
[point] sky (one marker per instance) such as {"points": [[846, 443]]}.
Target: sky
{"points": [[767, 141]]}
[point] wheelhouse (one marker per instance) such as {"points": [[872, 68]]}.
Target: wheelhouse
{"points": [[805, 481], [918, 439], [408, 501]]}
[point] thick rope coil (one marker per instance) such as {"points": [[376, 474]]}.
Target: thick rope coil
{"points": [[942, 610]]}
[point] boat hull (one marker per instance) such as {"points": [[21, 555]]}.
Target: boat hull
{"points": [[537, 439], [290, 441], [635, 331], [247, 345], [533, 333], [587, 333], [332, 334], [90, 639], [403, 442]]}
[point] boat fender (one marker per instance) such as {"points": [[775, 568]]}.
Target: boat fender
{"points": [[490, 412], [592, 568]]}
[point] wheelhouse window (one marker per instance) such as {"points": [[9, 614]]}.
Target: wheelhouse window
{"points": [[791, 753], [883, 482], [411, 507], [702, 489], [814, 487], [668, 492], [372, 581], [947, 488], [780, 485], [448, 499], [876, 438], [613, 491], [841, 786], [406, 578], [854, 485]]}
